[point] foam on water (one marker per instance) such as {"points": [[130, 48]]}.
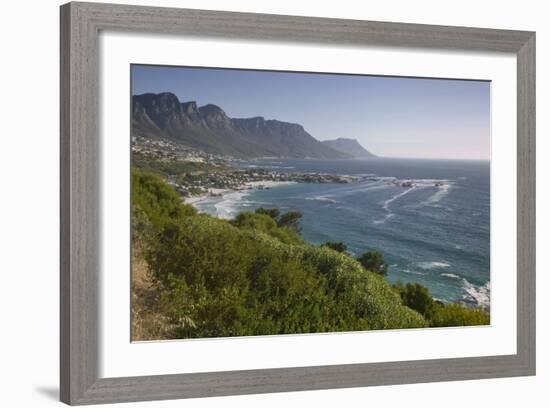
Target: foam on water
{"points": [[441, 192], [476, 295], [383, 220], [323, 198], [228, 207], [413, 272], [433, 265], [387, 203], [386, 206], [450, 275]]}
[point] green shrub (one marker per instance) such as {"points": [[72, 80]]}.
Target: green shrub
{"points": [[254, 221], [418, 298], [337, 246], [254, 275], [272, 212], [374, 262], [157, 200], [290, 219], [142, 227], [438, 314], [265, 223], [458, 315], [367, 296]]}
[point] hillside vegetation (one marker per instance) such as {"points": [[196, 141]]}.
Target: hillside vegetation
{"points": [[255, 275]]}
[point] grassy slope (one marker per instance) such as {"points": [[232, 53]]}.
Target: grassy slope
{"points": [[218, 279]]}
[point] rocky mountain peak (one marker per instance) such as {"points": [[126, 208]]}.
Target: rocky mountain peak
{"points": [[211, 109], [189, 107], [208, 128]]}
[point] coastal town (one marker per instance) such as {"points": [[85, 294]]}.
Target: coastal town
{"points": [[197, 175]]}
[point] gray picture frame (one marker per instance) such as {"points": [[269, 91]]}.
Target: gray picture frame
{"points": [[81, 24]]}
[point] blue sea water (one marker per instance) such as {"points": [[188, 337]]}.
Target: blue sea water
{"points": [[437, 235]]}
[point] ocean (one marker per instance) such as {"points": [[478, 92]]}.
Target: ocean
{"points": [[436, 233]]}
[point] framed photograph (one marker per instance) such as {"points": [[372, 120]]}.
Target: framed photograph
{"points": [[261, 203]]}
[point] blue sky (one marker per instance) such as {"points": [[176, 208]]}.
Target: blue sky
{"points": [[390, 116]]}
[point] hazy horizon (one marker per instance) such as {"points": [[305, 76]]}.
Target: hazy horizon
{"points": [[393, 117]]}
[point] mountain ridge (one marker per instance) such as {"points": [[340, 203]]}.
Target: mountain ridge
{"points": [[209, 128], [350, 146]]}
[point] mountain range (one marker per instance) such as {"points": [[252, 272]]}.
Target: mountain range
{"points": [[208, 128]]}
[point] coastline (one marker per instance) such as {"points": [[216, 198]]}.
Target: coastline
{"points": [[364, 197], [221, 192]]}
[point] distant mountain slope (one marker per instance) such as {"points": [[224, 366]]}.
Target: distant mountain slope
{"points": [[351, 147], [208, 128]]}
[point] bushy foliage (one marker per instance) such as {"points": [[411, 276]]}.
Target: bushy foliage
{"points": [[417, 297], [255, 275], [337, 246], [141, 226], [272, 212], [254, 221], [290, 219], [155, 201], [361, 293], [455, 314], [374, 262], [438, 314]]}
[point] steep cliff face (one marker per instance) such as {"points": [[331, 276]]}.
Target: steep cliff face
{"points": [[209, 128]]}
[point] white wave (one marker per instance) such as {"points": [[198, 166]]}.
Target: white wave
{"points": [[383, 220], [228, 206], [412, 184], [450, 275], [443, 187], [413, 272], [476, 295], [430, 182], [387, 203], [439, 194], [323, 198], [442, 191], [433, 265], [386, 206]]}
